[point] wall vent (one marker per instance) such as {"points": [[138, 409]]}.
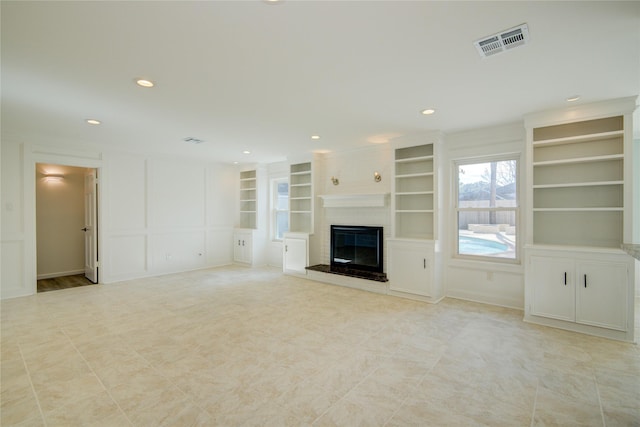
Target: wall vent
{"points": [[192, 140], [502, 41]]}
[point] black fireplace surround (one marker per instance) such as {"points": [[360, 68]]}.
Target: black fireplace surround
{"points": [[356, 248], [356, 251]]}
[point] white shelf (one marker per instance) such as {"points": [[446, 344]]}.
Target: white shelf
{"points": [[610, 209], [414, 193], [579, 138], [414, 175], [578, 183], [301, 198], [248, 199], [414, 159], [574, 160]]}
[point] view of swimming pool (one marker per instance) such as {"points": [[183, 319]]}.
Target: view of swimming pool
{"points": [[476, 246]]}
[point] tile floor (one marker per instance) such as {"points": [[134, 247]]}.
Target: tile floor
{"points": [[240, 347]]}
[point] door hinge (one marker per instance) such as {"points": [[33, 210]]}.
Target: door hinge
{"points": [[98, 264]]}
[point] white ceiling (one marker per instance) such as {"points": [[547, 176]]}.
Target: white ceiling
{"points": [[250, 75]]}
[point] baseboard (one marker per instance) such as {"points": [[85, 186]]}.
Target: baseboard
{"points": [[485, 299], [60, 274]]}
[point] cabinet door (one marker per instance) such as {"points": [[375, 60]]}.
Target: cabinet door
{"points": [[242, 247], [552, 287], [601, 294], [410, 269], [295, 255]]}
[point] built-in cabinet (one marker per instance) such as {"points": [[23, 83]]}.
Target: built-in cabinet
{"points": [[248, 199], [584, 288], [295, 253], [579, 172], [413, 253], [414, 192], [243, 246], [295, 245], [301, 198], [250, 234], [411, 266], [578, 183]]}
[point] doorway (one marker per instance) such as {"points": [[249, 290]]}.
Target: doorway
{"points": [[66, 226]]}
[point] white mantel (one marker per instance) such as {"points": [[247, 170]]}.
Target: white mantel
{"points": [[354, 200]]}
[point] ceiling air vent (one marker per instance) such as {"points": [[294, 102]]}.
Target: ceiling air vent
{"points": [[504, 40], [192, 140]]}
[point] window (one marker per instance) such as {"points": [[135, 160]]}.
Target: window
{"points": [[279, 208], [487, 209]]}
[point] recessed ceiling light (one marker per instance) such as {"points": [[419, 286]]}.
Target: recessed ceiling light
{"points": [[315, 136], [246, 152], [428, 111], [235, 163], [144, 83], [573, 98], [93, 121]]}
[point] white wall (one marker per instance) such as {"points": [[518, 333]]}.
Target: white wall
{"points": [[166, 215], [12, 278], [489, 282], [156, 214], [59, 222]]}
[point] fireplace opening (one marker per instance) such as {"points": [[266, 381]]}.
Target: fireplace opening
{"points": [[356, 248]]}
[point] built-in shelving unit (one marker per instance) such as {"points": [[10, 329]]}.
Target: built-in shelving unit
{"points": [[578, 183], [414, 192], [413, 254], [580, 212], [301, 198], [248, 199]]}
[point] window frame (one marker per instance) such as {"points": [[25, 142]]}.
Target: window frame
{"points": [[516, 209], [273, 201]]}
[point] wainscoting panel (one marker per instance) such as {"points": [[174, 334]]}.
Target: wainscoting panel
{"points": [[127, 258], [12, 275]]}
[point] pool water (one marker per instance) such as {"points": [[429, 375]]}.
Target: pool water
{"points": [[475, 246]]}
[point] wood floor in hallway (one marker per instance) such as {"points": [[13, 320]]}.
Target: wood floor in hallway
{"points": [[64, 282]]}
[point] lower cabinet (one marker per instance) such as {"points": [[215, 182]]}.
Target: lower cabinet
{"points": [[601, 294], [243, 246], [412, 269], [592, 291], [295, 253]]}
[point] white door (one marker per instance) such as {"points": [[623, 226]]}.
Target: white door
{"points": [[553, 287], [410, 268], [295, 255], [242, 251], [90, 226], [602, 294]]}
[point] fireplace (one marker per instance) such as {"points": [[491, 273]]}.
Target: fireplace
{"points": [[356, 248]]}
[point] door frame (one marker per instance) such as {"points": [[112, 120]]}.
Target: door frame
{"points": [[32, 156]]}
